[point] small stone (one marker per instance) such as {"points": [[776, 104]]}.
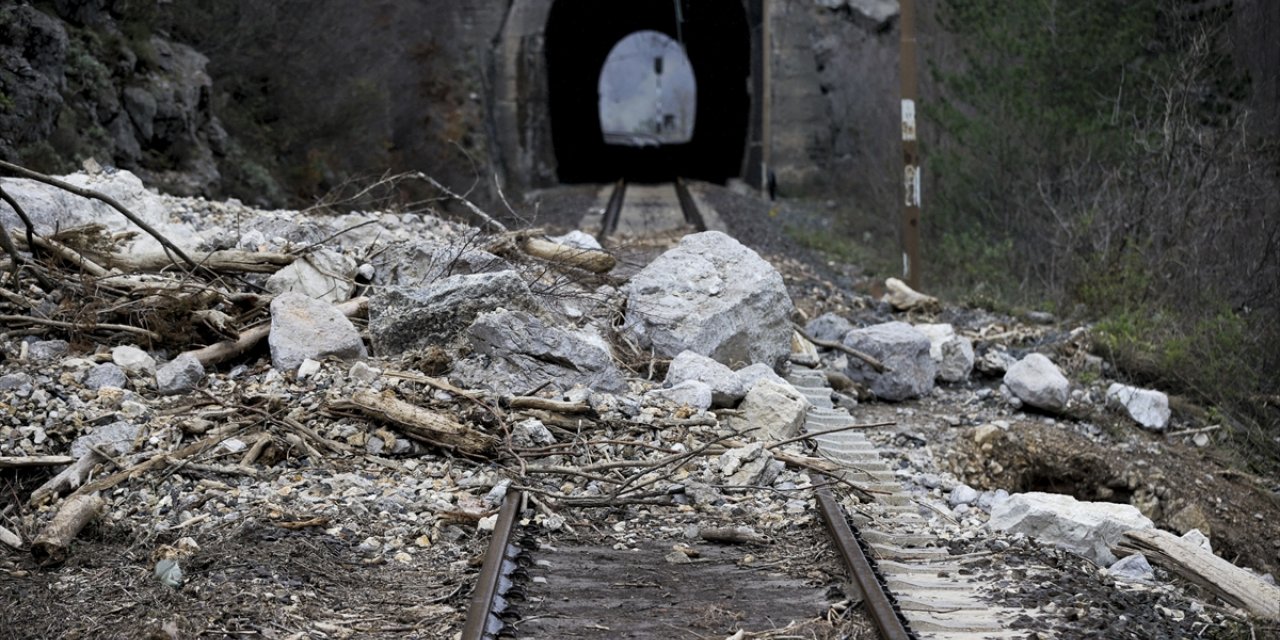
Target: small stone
{"points": [[1148, 408], [677, 557], [726, 387], [134, 360], [307, 369], [180, 375], [690, 393], [488, 523], [47, 350], [962, 494], [1201, 440], [107, 374], [1134, 568], [986, 433], [361, 372]]}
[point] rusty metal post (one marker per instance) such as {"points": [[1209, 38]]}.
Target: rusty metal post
{"points": [[910, 150]]}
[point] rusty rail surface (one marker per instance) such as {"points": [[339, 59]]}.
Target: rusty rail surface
{"points": [[884, 613], [483, 622]]}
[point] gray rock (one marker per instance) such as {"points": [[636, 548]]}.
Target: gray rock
{"points": [[726, 387], [962, 494], [1146, 407], [749, 376], [107, 374], [302, 328], [828, 326], [323, 274], [689, 393], [437, 315], [47, 349], [514, 351], [1134, 568], [1036, 381], [419, 264], [749, 466], [713, 296], [531, 433], [117, 438], [995, 362], [952, 353], [1089, 529], [180, 375], [12, 381], [134, 360], [910, 371], [578, 239], [772, 411]]}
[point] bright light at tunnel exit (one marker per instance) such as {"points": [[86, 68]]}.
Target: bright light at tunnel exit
{"points": [[648, 93]]}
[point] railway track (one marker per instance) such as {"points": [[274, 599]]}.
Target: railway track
{"points": [[892, 565], [909, 584]]}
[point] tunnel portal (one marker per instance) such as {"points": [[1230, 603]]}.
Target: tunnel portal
{"points": [[580, 34]]}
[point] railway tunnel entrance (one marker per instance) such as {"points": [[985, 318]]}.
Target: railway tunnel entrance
{"points": [[604, 128]]}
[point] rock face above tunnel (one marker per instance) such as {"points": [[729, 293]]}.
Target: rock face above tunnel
{"points": [[713, 296]]}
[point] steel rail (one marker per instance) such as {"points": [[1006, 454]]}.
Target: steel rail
{"points": [[613, 210], [689, 207], [482, 621], [882, 610]]}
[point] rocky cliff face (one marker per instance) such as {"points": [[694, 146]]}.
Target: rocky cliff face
{"points": [[76, 86]]}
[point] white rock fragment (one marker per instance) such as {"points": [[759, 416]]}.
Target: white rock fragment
{"points": [[1036, 381], [307, 369], [690, 393], [133, 360], [1134, 568], [1146, 407], [1085, 528], [323, 274]]}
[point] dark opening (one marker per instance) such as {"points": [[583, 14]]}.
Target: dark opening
{"points": [[717, 39]]}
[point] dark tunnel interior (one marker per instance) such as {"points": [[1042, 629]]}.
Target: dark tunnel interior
{"points": [[717, 39]]}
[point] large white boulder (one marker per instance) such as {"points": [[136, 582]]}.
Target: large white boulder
{"points": [[1147, 407], [1089, 529], [1036, 381], [712, 296], [909, 370]]}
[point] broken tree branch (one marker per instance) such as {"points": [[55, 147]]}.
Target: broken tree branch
{"points": [[465, 202], [50, 546], [547, 404], [586, 259], [68, 479], [423, 424], [225, 260], [871, 361], [1225, 580], [23, 462]]}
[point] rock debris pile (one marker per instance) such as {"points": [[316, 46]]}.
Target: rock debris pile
{"points": [[377, 382]]}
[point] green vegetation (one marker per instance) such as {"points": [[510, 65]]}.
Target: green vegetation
{"points": [[1098, 153]]}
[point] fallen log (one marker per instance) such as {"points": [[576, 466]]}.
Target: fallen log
{"points": [[1225, 580], [68, 479], [422, 424], [732, 535], [50, 546], [22, 462], [220, 352], [221, 261], [591, 260]]}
